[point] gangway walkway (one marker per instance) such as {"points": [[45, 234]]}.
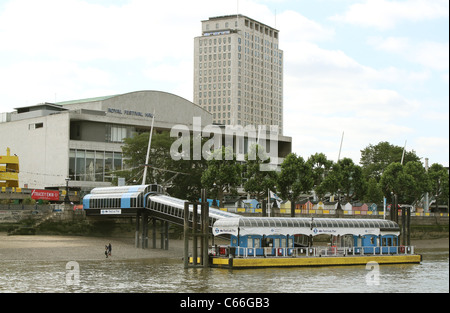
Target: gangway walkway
{"points": [[143, 202], [172, 210]]}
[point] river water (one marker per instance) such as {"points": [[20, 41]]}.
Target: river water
{"points": [[169, 276]]}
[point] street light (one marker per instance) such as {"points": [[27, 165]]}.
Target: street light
{"points": [[66, 198]]}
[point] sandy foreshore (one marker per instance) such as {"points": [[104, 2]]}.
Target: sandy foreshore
{"points": [[80, 248]]}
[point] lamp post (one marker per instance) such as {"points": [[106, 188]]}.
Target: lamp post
{"points": [[66, 198]]}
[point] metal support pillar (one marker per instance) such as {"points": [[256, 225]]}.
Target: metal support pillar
{"points": [[205, 229], [164, 235], [408, 226], [396, 209], [166, 242], [194, 234], [186, 235], [403, 226], [136, 236], [154, 233], [161, 230], [144, 240], [201, 232]]}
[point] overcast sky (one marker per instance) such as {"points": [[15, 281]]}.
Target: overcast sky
{"points": [[377, 70]]}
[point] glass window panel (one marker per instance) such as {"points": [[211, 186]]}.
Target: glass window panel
{"points": [[72, 164], [108, 166], [90, 166], [80, 165], [117, 161], [99, 159]]}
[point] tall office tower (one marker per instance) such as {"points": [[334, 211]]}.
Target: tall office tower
{"points": [[238, 72]]}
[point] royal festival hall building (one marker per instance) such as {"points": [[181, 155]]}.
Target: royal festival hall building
{"points": [[82, 139]]}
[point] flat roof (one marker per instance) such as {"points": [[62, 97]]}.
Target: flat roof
{"points": [[303, 225], [86, 100], [223, 17], [40, 106]]}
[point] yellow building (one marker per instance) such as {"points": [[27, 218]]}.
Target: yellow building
{"points": [[9, 170]]}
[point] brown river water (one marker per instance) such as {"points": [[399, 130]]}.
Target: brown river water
{"points": [[167, 275]]}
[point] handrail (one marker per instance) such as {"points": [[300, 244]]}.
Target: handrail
{"points": [[246, 252]]}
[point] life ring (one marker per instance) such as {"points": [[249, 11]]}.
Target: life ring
{"points": [[280, 251], [401, 249]]}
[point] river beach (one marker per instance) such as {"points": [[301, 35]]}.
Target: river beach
{"points": [[81, 248]]}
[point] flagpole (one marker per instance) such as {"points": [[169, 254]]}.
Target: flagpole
{"points": [[340, 148], [148, 149], [403, 154]]}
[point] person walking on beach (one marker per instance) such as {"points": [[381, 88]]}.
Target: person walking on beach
{"points": [[109, 249], [106, 251]]}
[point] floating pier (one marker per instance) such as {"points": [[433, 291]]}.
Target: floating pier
{"points": [[240, 263]]}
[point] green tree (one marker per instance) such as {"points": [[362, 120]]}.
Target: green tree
{"points": [[421, 181], [348, 178], [181, 178], [439, 183], [354, 183], [396, 181], [135, 151], [332, 182], [295, 178], [188, 183], [320, 167], [258, 180], [374, 194], [375, 159], [222, 174]]}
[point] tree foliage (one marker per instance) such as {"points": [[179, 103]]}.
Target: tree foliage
{"points": [[345, 179], [320, 168], [258, 180], [181, 178], [375, 159], [222, 173], [439, 182], [295, 178], [374, 194], [380, 173]]}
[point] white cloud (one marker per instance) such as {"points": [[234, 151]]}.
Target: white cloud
{"points": [[433, 55], [328, 92], [295, 25], [384, 14], [390, 44], [47, 80], [81, 31], [431, 147], [77, 49], [322, 133]]}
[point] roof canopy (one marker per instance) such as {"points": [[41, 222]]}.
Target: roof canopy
{"points": [[305, 226]]}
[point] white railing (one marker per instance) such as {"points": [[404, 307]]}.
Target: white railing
{"points": [[314, 251]]}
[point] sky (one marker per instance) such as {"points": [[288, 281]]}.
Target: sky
{"points": [[364, 71]]}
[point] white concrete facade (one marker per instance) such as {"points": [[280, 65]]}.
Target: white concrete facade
{"points": [[82, 139]]}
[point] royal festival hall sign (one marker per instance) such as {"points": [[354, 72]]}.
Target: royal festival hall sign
{"points": [[129, 112]]}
